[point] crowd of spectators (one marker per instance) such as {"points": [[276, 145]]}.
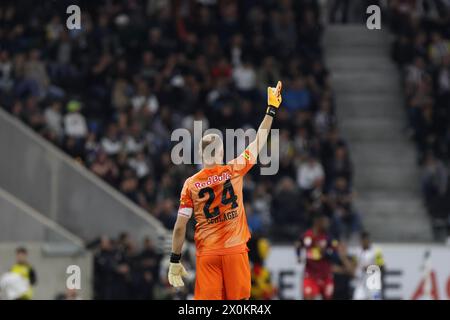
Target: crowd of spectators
{"points": [[124, 271], [422, 51], [110, 94]]}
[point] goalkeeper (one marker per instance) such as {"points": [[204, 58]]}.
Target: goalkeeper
{"points": [[214, 197]]}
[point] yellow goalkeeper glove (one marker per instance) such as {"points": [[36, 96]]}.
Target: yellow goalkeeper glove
{"points": [[176, 274], [273, 99]]}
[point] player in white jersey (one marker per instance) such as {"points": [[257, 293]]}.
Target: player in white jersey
{"points": [[368, 275]]}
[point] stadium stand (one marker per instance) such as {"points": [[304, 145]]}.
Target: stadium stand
{"points": [[422, 52]]}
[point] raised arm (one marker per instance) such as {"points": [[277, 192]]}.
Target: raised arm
{"points": [[273, 101]]}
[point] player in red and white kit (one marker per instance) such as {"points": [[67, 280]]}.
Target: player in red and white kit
{"points": [[320, 250]]}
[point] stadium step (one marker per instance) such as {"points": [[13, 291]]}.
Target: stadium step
{"points": [[369, 128], [372, 105], [389, 212], [379, 51], [371, 116], [387, 177], [370, 62], [394, 153], [381, 82], [354, 35]]}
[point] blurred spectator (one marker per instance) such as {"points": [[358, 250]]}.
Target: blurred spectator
{"points": [[310, 177], [267, 73], [69, 294], [343, 273], [297, 96], [261, 203], [121, 271], [13, 286], [368, 256], [341, 165], [434, 178], [346, 220], [324, 118], [341, 8], [111, 142], [254, 220], [53, 118], [150, 264], [35, 74], [167, 213], [439, 48], [287, 208], [244, 76], [6, 71], [24, 269], [74, 122], [104, 167], [262, 286], [104, 265]]}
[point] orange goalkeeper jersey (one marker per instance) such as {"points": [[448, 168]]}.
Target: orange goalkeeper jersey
{"points": [[215, 197]]}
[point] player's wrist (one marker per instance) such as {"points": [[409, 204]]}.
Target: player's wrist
{"points": [[175, 258], [271, 111]]}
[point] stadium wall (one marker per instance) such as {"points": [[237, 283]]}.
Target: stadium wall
{"points": [[50, 266], [404, 270], [55, 185], [30, 225]]}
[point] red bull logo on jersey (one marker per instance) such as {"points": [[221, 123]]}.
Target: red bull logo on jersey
{"points": [[212, 180]]}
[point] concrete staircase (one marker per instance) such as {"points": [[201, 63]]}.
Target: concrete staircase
{"points": [[371, 118]]}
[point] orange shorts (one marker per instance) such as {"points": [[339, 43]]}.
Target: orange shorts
{"points": [[225, 277]]}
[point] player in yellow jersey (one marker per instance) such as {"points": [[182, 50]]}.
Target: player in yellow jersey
{"points": [[214, 196]]}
